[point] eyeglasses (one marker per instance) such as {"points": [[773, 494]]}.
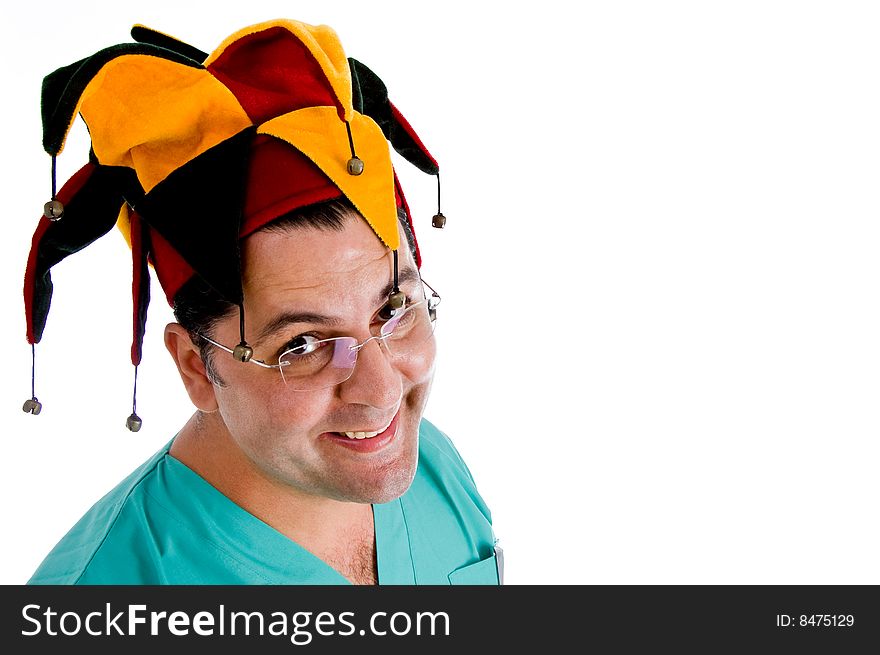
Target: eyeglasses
{"points": [[310, 363]]}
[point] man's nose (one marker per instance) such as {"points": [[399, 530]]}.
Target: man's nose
{"points": [[375, 381]]}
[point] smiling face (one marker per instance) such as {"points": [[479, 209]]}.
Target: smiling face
{"points": [[331, 283]]}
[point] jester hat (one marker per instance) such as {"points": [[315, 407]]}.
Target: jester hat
{"points": [[192, 152]]}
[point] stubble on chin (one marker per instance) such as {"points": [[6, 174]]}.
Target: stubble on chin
{"points": [[388, 480]]}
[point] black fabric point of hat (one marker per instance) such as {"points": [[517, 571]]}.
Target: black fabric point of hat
{"points": [[143, 34], [62, 89], [370, 97], [198, 210], [89, 215]]}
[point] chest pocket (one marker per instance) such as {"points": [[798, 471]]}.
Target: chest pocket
{"points": [[484, 572]]}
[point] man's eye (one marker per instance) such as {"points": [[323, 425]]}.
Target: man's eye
{"points": [[301, 345], [386, 313]]}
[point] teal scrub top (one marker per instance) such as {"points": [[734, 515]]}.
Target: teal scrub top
{"points": [[165, 524]]}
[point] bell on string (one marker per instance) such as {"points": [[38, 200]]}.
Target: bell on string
{"points": [[243, 352], [32, 406], [133, 422], [53, 210], [397, 300], [355, 166]]}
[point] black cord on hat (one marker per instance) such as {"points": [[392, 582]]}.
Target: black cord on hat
{"points": [[396, 299], [242, 352], [33, 406], [439, 219], [134, 421], [53, 210], [33, 369], [355, 165]]}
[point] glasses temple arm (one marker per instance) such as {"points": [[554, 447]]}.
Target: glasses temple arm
{"points": [[433, 290], [258, 362]]}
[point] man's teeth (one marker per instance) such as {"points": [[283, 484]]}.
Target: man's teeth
{"points": [[366, 435], [360, 435]]}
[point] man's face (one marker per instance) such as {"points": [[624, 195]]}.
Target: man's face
{"points": [[293, 437]]}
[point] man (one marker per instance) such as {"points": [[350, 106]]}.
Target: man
{"points": [[258, 182]]}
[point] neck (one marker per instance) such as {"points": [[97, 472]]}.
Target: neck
{"points": [[318, 524]]}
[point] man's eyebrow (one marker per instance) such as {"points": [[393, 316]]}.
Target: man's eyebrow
{"points": [[289, 318]]}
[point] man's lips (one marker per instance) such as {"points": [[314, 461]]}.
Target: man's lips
{"points": [[366, 444]]}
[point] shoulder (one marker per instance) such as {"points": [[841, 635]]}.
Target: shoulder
{"points": [[77, 558], [449, 523], [443, 466], [439, 458]]}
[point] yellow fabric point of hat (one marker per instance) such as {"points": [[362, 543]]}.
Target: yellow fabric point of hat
{"points": [[162, 115], [373, 191]]}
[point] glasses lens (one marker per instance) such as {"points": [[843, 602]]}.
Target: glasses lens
{"points": [[408, 331], [319, 364]]}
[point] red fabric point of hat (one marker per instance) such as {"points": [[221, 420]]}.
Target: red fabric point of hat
{"points": [[29, 277], [281, 179], [272, 73], [139, 285], [65, 195], [401, 203], [171, 269]]}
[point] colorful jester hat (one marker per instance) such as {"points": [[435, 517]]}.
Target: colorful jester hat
{"points": [[191, 153]]}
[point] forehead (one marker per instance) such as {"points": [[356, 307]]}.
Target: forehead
{"points": [[306, 261]]}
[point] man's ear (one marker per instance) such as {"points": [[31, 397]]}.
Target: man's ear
{"points": [[191, 367]]}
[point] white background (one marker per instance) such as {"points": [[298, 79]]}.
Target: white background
{"points": [[660, 328]]}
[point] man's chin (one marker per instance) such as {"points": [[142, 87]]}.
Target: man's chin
{"points": [[390, 485], [385, 483], [390, 492]]}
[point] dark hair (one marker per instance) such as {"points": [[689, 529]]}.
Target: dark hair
{"points": [[198, 307]]}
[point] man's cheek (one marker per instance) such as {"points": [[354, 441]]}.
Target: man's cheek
{"points": [[420, 369], [298, 409]]}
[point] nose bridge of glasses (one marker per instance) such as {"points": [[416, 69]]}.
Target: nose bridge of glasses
{"points": [[355, 348]]}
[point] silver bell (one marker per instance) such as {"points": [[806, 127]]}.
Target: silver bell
{"points": [[243, 352], [397, 300], [355, 166], [53, 210], [133, 422], [32, 406]]}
